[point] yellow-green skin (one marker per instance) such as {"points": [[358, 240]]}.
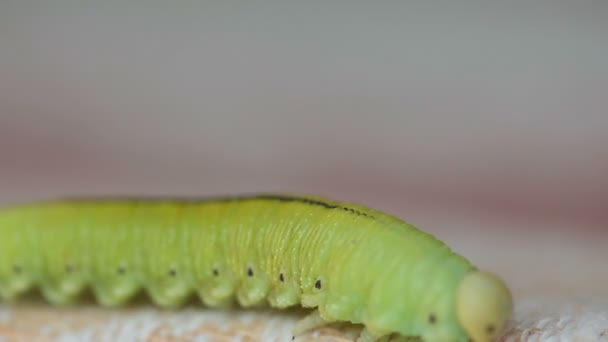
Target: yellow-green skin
{"points": [[354, 263]]}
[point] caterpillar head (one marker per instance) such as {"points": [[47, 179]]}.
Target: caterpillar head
{"points": [[484, 304]]}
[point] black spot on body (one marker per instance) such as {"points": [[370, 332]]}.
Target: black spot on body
{"points": [[173, 272], [490, 329], [282, 278], [318, 284], [121, 270], [250, 271], [216, 272], [432, 319]]}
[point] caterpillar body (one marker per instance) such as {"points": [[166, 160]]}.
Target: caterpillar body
{"points": [[347, 262]]}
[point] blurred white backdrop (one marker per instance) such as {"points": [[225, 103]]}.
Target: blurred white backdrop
{"points": [[496, 108]]}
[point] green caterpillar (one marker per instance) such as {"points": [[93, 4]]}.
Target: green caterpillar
{"points": [[351, 263]]}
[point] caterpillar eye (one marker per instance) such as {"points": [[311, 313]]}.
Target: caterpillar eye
{"points": [[432, 319]]}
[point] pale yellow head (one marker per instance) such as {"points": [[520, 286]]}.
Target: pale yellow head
{"points": [[484, 305]]}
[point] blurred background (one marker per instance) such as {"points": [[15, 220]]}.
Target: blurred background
{"points": [[484, 124]]}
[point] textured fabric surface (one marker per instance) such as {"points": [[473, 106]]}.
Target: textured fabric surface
{"points": [[547, 319], [557, 319]]}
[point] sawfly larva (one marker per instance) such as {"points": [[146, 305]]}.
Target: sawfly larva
{"points": [[348, 262]]}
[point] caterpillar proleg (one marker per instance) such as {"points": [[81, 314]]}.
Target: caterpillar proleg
{"points": [[346, 262]]}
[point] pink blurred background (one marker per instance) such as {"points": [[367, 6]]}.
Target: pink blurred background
{"points": [[483, 124]]}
